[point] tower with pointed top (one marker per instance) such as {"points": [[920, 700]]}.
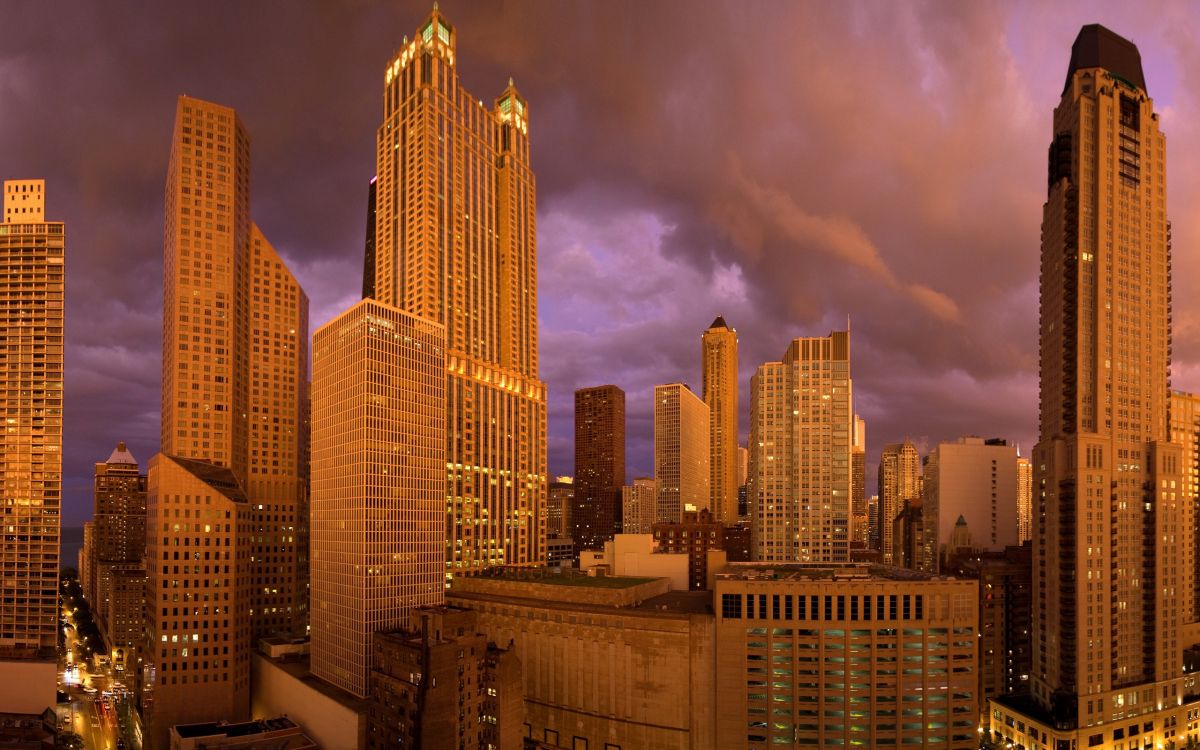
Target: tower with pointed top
{"points": [[455, 243], [718, 349], [1108, 495]]}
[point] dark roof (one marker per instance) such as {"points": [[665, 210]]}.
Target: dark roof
{"points": [[220, 478], [719, 323], [1097, 47]]}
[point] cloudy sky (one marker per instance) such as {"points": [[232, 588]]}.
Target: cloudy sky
{"points": [[784, 164]]}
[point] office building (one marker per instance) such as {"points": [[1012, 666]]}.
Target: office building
{"points": [[378, 481], [455, 243], [234, 367], [639, 502], [196, 648], [681, 451], [860, 522], [973, 479], [908, 538], [1109, 523], [696, 534], [719, 355], [850, 656], [116, 553], [560, 500], [1024, 500], [599, 465], [31, 381], [801, 427], [439, 683], [1005, 618], [1185, 432], [899, 480]]}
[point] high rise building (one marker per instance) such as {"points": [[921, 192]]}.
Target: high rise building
{"points": [[31, 381], [1109, 525], [378, 483], [1024, 500], [860, 522], [368, 287], [899, 480], [560, 501], [455, 243], [1185, 432], [234, 377], [599, 465], [117, 552], [639, 502], [718, 348], [235, 356], [801, 432], [681, 451], [974, 479]]}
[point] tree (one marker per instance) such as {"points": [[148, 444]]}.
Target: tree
{"points": [[68, 741]]}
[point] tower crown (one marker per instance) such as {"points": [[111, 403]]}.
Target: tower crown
{"points": [[1098, 47]]}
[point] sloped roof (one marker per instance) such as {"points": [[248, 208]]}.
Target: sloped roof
{"points": [[220, 478], [121, 455]]}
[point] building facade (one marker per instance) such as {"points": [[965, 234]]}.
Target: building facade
{"points": [[196, 647], [439, 683], [1185, 432], [378, 477], [1109, 521], [639, 502], [693, 536], [719, 357], [560, 501], [899, 480], [977, 480], [853, 656], [32, 252], [456, 244], [681, 451], [116, 552], [860, 521], [801, 427], [1024, 500], [599, 465]]}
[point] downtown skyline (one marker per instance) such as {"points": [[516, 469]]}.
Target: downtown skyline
{"points": [[954, 355]]}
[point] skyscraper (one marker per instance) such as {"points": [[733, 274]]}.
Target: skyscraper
{"points": [[860, 523], [801, 426], [718, 348], [378, 483], [681, 452], [118, 552], [1024, 500], [975, 480], [899, 480], [1185, 432], [1109, 519], [31, 380], [234, 378], [456, 243], [599, 465], [639, 502]]}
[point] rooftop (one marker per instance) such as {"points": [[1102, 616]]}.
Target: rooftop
{"points": [[823, 572], [562, 577], [688, 602], [240, 729], [1098, 47], [121, 456]]}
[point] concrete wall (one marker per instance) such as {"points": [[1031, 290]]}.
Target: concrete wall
{"points": [[583, 594], [27, 687], [276, 691], [632, 678]]}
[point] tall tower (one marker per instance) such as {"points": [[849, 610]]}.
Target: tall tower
{"points": [[234, 379], [1108, 526], [31, 380], [455, 243], [1024, 500], [718, 347], [117, 552], [599, 465], [378, 478], [801, 425], [899, 480], [860, 523], [1185, 432], [681, 452]]}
